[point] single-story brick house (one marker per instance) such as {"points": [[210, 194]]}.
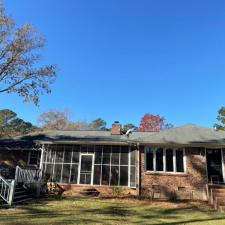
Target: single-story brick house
{"points": [[178, 162]]}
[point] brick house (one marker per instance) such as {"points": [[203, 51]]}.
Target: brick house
{"points": [[174, 163]]}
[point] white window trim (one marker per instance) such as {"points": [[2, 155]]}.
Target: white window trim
{"points": [[164, 160]]}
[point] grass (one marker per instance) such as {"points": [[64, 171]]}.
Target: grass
{"points": [[89, 210]]}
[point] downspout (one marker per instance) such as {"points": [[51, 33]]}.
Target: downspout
{"points": [[38, 183], [41, 159]]}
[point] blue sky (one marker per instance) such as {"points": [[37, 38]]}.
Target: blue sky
{"points": [[120, 59]]}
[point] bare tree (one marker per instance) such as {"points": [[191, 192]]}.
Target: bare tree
{"points": [[54, 119], [97, 124], [20, 70]]}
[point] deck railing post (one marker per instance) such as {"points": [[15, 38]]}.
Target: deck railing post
{"points": [[11, 192], [16, 175], [38, 189]]}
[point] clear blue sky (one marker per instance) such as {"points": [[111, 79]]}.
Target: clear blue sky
{"points": [[119, 59]]}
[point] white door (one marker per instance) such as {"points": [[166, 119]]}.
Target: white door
{"points": [[86, 169]]}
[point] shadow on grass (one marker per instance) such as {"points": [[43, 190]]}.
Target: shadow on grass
{"points": [[85, 210]]}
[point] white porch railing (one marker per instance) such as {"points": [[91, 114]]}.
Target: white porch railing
{"points": [[27, 175], [7, 190]]}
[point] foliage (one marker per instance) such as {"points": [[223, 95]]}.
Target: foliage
{"points": [[54, 119], [118, 191], [11, 125], [128, 126], [221, 119], [151, 123], [98, 124], [168, 126], [79, 125], [20, 70]]}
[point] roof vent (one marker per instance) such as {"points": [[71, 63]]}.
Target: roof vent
{"points": [[215, 128], [129, 131]]}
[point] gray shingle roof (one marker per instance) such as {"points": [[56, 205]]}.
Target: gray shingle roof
{"points": [[185, 135], [189, 134]]}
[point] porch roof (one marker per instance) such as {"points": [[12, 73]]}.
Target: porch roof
{"points": [[98, 137]]}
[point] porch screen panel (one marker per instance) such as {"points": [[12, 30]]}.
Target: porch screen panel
{"points": [[114, 176], [105, 174], [74, 174], [84, 149], [115, 155], [115, 160], [133, 156], [76, 154], [68, 153], [113, 165], [123, 175], [44, 155], [75, 164], [97, 175], [98, 165], [124, 155], [59, 155], [49, 172], [66, 173], [98, 155], [57, 173], [132, 176], [133, 167], [106, 154]]}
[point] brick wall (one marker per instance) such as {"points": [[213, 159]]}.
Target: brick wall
{"points": [[9, 159], [194, 180]]}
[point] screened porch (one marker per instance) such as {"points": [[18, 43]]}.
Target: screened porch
{"points": [[111, 165]]}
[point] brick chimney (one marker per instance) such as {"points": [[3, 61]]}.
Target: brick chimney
{"points": [[116, 128]]}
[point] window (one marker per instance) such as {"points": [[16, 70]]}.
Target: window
{"points": [[33, 158], [169, 160], [159, 159], [180, 160], [164, 160], [149, 159]]}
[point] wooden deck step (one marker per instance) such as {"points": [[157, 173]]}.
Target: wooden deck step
{"points": [[217, 196], [89, 191]]}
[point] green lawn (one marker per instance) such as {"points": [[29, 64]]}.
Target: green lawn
{"points": [[88, 210]]}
